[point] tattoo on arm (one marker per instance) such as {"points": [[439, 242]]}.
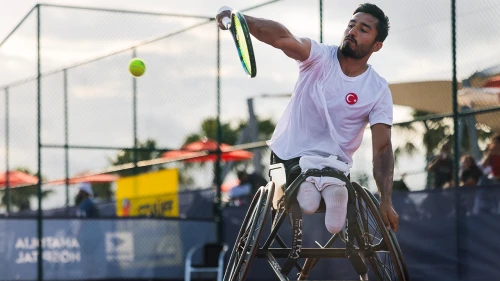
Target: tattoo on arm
{"points": [[383, 171]]}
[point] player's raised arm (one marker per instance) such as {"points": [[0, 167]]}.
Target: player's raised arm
{"points": [[274, 34], [278, 36]]}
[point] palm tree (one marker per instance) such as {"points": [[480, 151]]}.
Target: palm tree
{"points": [[435, 133]]}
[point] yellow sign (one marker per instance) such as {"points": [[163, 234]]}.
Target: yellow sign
{"points": [[153, 195]]}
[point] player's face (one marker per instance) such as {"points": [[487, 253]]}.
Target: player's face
{"points": [[359, 37]]}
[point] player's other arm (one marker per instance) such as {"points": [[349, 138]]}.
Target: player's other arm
{"points": [[383, 172], [274, 34]]}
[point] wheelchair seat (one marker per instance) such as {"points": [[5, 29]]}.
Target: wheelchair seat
{"points": [[278, 175]]}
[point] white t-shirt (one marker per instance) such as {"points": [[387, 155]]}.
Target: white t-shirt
{"points": [[329, 111]]}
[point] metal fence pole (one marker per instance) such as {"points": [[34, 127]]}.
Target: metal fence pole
{"points": [[135, 158], [134, 114], [456, 138], [39, 152], [321, 21], [218, 203], [66, 138], [456, 147], [7, 168]]}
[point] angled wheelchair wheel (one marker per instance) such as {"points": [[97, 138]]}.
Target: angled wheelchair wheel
{"points": [[392, 237], [247, 242], [383, 253]]}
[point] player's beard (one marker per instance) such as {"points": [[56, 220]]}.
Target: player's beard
{"points": [[360, 52]]}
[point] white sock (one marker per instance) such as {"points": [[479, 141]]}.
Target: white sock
{"points": [[308, 197], [335, 197]]}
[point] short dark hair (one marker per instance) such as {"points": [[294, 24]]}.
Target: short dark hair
{"points": [[241, 175], [383, 21]]}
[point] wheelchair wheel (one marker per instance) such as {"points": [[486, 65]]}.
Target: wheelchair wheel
{"points": [[384, 257], [247, 242], [392, 237]]}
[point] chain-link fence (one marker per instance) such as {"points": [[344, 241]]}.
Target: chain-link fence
{"points": [[85, 117]]}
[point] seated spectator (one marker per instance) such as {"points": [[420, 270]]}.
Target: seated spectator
{"points": [[255, 180], [86, 204], [471, 173], [240, 191], [442, 167], [243, 193], [492, 158]]}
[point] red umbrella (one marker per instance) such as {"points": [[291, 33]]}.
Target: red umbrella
{"points": [[17, 178], [493, 82], [191, 149]]}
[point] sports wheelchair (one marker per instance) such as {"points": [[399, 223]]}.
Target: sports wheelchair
{"points": [[366, 239]]}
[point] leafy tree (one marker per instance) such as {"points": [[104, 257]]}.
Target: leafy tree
{"points": [[20, 197], [436, 132], [103, 191], [265, 128], [145, 152], [230, 135], [208, 129]]}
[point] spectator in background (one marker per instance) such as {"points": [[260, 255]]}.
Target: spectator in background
{"points": [[246, 189], [88, 232], [471, 173], [86, 206], [442, 167], [492, 158], [240, 194], [255, 180]]}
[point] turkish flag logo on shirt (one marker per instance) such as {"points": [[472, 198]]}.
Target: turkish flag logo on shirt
{"points": [[351, 98]]}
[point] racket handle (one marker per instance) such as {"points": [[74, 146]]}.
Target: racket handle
{"points": [[226, 22]]}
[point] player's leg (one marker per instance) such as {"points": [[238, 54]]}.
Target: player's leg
{"points": [[335, 197], [308, 197]]}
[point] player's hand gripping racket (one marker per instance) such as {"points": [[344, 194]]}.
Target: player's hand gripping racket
{"points": [[238, 27]]}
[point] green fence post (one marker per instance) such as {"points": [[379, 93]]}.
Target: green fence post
{"points": [[39, 152]]}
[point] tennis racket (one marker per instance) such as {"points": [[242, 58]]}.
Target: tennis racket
{"points": [[238, 27]]}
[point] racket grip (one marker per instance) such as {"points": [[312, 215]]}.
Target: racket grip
{"points": [[226, 22]]}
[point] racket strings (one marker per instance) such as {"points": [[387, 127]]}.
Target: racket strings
{"points": [[242, 44]]}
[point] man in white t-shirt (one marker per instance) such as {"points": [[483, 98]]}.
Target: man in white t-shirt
{"points": [[336, 96]]}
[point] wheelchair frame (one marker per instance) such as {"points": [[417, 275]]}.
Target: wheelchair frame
{"points": [[280, 199]]}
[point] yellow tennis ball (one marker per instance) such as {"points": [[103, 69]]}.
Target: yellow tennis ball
{"points": [[137, 67]]}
